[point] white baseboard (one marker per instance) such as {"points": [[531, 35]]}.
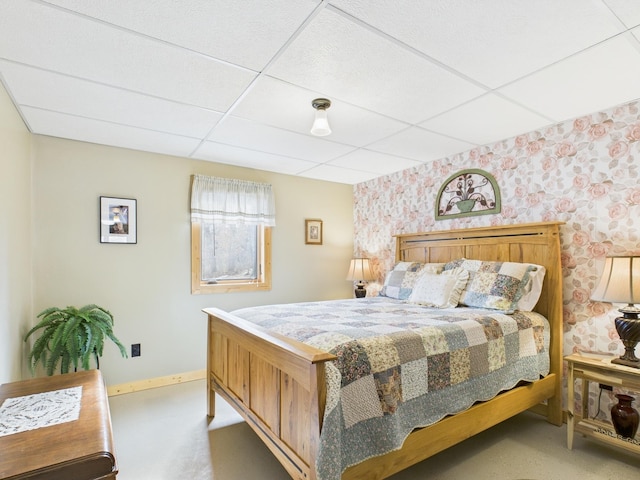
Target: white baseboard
{"points": [[155, 382]]}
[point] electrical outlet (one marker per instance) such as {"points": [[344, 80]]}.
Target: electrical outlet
{"points": [[135, 349], [606, 387]]}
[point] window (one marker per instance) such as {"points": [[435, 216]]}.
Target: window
{"points": [[231, 224], [224, 260]]}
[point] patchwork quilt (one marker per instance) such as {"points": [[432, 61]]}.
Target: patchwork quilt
{"points": [[401, 366]]}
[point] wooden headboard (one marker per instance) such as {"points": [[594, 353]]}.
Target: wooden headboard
{"points": [[537, 243]]}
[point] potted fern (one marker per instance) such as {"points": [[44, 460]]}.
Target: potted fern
{"points": [[71, 336]]}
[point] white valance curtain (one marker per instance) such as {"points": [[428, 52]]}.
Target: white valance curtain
{"points": [[226, 200]]}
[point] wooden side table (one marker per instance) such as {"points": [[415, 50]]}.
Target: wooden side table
{"points": [[80, 450], [602, 371]]}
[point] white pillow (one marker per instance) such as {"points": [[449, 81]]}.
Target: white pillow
{"points": [[533, 290], [439, 290]]}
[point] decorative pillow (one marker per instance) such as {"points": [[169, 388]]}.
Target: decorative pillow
{"points": [[439, 290], [399, 282], [495, 285]]}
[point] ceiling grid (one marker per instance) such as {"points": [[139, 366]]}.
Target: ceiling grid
{"points": [[232, 82]]}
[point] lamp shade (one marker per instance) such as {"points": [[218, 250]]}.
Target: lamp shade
{"points": [[320, 126], [360, 270], [620, 281]]}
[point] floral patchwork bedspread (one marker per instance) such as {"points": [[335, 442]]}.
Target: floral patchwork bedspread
{"points": [[402, 366]]}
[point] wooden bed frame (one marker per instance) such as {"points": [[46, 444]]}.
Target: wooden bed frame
{"points": [[278, 384]]}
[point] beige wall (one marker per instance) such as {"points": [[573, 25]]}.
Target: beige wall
{"points": [[15, 239], [147, 286]]}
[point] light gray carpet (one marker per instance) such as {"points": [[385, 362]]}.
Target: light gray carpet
{"points": [[162, 434]]}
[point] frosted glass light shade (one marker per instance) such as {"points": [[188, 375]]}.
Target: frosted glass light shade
{"points": [[321, 126]]}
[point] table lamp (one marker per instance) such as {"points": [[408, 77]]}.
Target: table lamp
{"points": [[620, 283], [360, 271]]}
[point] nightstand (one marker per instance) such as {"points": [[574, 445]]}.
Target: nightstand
{"points": [[602, 371]]}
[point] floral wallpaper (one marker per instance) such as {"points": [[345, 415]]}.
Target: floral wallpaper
{"points": [[584, 172]]}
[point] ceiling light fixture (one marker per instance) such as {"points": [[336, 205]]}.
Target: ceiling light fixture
{"points": [[320, 126]]}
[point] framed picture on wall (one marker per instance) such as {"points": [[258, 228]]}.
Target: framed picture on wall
{"points": [[313, 231], [118, 220]]}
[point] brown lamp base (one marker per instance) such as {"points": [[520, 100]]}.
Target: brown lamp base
{"points": [[360, 291], [628, 327]]}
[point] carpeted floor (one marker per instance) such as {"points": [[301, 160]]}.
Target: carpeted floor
{"points": [[163, 434]]}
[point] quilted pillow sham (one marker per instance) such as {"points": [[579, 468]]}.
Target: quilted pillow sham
{"points": [[439, 290], [399, 282], [494, 285]]}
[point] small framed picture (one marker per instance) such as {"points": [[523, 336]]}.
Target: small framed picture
{"points": [[313, 231], [118, 220]]}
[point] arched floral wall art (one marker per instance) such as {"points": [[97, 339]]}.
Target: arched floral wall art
{"points": [[468, 192]]}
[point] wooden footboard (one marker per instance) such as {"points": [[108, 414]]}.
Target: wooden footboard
{"points": [[275, 383]]}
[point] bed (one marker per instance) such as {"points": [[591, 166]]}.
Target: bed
{"points": [[280, 385]]}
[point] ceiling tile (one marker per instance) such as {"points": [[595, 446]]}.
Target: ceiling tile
{"points": [[419, 144], [374, 162], [92, 100], [330, 173], [217, 152], [348, 62], [603, 76], [287, 106], [408, 81], [486, 119], [43, 36], [93, 131], [245, 33], [628, 11], [237, 132], [493, 42]]}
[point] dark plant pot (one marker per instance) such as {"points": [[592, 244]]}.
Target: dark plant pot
{"points": [[624, 416]]}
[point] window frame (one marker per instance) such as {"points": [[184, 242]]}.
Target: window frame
{"points": [[198, 287]]}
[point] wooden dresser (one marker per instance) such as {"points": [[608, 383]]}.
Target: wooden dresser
{"points": [[75, 450]]}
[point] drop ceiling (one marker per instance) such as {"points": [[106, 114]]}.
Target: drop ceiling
{"points": [[231, 81]]}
